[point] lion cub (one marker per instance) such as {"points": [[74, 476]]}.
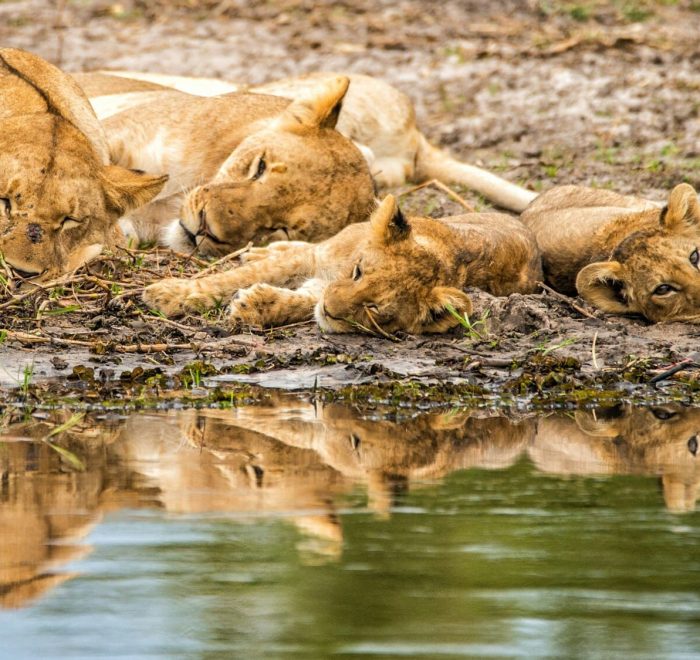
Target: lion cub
{"points": [[622, 254], [388, 274]]}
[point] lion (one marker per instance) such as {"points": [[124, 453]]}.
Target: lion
{"points": [[375, 115], [661, 440], [624, 255], [389, 274], [60, 198], [243, 167]]}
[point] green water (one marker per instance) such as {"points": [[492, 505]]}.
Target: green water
{"points": [[301, 531]]}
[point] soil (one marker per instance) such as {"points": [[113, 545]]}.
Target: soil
{"points": [[600, 93]]}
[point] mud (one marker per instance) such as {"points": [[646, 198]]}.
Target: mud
{"points": [[545, 93]]}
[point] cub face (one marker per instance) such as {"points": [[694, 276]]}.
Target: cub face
{"points": [[392, 284], [655, 273], [295, 178]]}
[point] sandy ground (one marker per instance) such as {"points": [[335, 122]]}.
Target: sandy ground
{"points": [[543, 92]]}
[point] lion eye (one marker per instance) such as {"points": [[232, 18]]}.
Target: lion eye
{"points": [[262, 166], [356, 272], [68, 222], [372, 307], [694, 257], [663, 414], [5, 205], [664, 290]]}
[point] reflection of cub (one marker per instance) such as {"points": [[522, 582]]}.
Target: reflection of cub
{"points": [[626, 440], [386, 455]]}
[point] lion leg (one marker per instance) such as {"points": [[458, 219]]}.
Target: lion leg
{"points": [[263, 305], [175, 296]]}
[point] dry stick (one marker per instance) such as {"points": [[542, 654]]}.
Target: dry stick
{"points": [[219, 262], [446, 189], [380, 330], [27, 338], [39, 288], [567, 300]]}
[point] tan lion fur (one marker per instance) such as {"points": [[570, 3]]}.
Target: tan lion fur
{"points": [[384, 275], [242, 167], [375, 115], [622, 254], [60, 199]]}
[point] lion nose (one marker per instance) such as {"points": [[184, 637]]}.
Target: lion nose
{"points": [[202, 222]]}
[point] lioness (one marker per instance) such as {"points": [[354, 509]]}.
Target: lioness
{"points": [[388, 274], [374, 115], [60, 199], [622, 254], [243, 167]]}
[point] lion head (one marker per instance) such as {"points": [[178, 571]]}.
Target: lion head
{"points": [[294, 178], [655, 272], [59, 197], [393, 283]]}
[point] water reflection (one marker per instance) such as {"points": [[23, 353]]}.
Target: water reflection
{"points": [[301, 463]]}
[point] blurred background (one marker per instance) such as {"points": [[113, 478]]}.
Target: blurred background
{"points": [[545, 92]]}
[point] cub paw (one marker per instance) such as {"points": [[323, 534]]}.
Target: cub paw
{"points": [[174, 297], [256, 306]]}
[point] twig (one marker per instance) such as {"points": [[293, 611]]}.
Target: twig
{"points": [[593, 353], [567, 300], [221, 261], [446, 189]]}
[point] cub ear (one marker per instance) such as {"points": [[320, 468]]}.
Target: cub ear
{"points": [[126, 190], [388, 223], [602, 284], [439, 318], [320, 109], [682, 211], [58, 91]]}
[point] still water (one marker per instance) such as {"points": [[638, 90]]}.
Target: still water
{"points": [[309, 531]]}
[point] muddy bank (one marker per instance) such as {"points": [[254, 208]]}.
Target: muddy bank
{"points": [[544, 93]]}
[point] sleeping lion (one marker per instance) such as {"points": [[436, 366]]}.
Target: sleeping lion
{"points": [[389, 274]]}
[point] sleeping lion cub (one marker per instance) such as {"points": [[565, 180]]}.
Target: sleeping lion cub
{"points": [[388, 274], [622, 254]]}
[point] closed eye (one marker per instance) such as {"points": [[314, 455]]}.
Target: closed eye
{"points": [[694, 257], [260, 169], [5, 205], [69, 222], [356, 272]]}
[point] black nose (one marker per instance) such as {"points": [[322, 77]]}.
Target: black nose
{"points": [[202, 222], [693, 445]]}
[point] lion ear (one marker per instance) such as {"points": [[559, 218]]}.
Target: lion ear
{"points": [[388, 223], [682, 211], [126, 190], [602, 284], [319, 109], [56, 92], [439, 317]]}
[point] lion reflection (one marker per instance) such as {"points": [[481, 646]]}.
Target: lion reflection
{"points": [[293, 460]]}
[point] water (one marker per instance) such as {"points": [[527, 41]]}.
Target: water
{"points": [[294, 530]]}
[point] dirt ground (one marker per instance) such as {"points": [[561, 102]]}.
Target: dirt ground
{"points": [[543, 92]]}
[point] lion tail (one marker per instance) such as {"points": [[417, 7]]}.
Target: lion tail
{"points": [[434, 163]]}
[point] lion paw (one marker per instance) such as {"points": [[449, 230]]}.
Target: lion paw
{"points": [[174, 297], [256, 306]]}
